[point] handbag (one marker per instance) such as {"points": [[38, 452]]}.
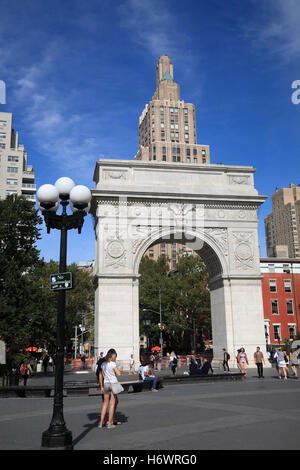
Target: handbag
{"points": [[117, 388]]}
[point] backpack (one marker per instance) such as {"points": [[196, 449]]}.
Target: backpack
{"points": [[23, 369], [174, 361], [228, 356], [99, 364]]}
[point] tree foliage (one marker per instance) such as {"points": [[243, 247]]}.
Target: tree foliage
{"points": [[185, 300], [28, 308]]}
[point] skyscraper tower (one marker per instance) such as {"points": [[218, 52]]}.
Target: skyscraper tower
{"points": [[167, 125], [167, 133], [282, 225]]}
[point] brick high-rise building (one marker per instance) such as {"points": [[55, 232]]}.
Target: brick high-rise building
{"points": [[16, 177], [167, 133], [167, 125], [282, 225]]}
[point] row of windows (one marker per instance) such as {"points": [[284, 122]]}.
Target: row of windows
{"points": [[171, 109], [277, 331], [287, 285], [289, 307], [178, 159], [3, 123], [177, 150]]}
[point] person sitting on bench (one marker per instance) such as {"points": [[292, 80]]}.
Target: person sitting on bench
{"points": [[194, 370], [147, 375]]}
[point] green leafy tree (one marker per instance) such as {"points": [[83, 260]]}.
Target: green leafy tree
{"points": [[18, 257], [184, 297]]}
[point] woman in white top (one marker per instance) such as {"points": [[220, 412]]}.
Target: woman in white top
{"points": [[107, 377], [243, 361]]}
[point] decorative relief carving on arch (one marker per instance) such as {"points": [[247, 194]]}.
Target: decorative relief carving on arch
{"points": [[244, 251], [115, 253], [220, 236]]}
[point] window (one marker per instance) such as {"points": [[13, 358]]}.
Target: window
{"points": [[195, 160], [186, 127], [178, 150], [164, 150], [188, 159], [194, 151], [2, 146], [151, 253], [174, 159], [188, 151], [11, 181], [11, 191], [173, 253], [164, 158], [203, 160], [289, 307], [186, 136], [161, 108], [292, 331], [178, 159], [173, 149], [277, 332], [162, 125], [185, 110], [274, 305], [171, 110], [162, 117], [172, 126], [2, 123], [273, 287], [162, 133], [175, 110], [2, 135], [287, 285], [12, 169], [204, 152]]}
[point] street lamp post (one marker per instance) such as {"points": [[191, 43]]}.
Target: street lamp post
{"points": [[57, 435]]}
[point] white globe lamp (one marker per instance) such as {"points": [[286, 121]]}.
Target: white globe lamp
{"points": [[80, 197], [64, 186], [47, 195]]}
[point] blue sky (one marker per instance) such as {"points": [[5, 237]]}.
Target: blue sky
{"points": [[78, 75]]}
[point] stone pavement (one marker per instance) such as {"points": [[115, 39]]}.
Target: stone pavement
{"points": [[249, 414]]}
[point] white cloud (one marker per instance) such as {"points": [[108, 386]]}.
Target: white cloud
{"points": [[277, 30]]}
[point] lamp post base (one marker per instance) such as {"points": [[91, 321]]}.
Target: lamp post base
{"points": [[58, 439]]}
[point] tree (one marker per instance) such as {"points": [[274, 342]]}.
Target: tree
{"points": [[18, 257], [184, 295]]}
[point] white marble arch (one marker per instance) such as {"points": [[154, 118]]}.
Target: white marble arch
{"points": [[126, 196]]}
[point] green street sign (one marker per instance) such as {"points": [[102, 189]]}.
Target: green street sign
{"points": [[61, 281]]}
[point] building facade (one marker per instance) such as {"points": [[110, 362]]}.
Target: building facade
{"points": [[282, 225], [16, 176], [281, 298], [167, 133]]}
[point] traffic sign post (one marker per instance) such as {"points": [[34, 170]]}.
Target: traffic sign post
{"points": [[61, 281]]}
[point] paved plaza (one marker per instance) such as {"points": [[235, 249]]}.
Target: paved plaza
{"points": [[240, 415]]}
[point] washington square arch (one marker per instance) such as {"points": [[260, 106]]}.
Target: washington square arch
{"points": [[171, 192], [212, 209]]}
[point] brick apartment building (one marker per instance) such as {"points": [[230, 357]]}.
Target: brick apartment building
{"points": [[281, 298]]}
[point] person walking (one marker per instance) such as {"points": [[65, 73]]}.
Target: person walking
{"points": [[131, 371], [25, 371], [226, 358], [294, 361], [110, 388], [45, 363], [173, 362], [281, 364], [259, 361], [243, 361]]}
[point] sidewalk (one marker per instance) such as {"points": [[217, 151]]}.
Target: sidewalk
{"points": [[88, 375]]}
